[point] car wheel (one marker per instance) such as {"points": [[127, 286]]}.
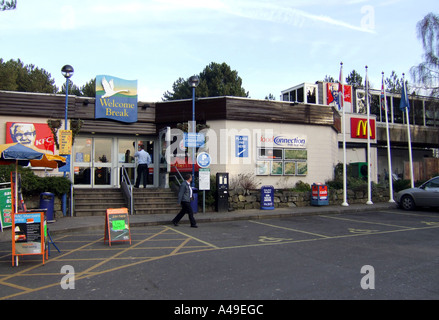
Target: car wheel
{"points": [[407, 203]]}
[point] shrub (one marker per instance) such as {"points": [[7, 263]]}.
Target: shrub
{"points": [[32, 184]]}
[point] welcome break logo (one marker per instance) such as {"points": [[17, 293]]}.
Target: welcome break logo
{"points": [[116, 99]]}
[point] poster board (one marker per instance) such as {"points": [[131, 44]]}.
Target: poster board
{"points": [[5, 208], [28, 235], [117, 226]]}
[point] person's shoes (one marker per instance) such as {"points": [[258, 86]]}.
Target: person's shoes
{"points": [[194, 226], [175, 223]]}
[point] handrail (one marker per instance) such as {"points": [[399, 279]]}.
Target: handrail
{"points": [[127, 189], [182, 179]]}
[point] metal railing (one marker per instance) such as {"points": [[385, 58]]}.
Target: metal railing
{"points": [[175, 177], [127, 189]]}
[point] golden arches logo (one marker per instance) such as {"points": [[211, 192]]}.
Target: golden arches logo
{"points": [[359, 128]]}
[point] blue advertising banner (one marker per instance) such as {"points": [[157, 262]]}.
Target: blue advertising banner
{"points": [[116, 99]]}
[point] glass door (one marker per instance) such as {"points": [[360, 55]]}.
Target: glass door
{"points": [[126, 150], [82, 161], [92, 161], [102, 161]]}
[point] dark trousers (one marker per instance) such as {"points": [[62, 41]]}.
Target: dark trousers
{"points": [[185, 208], [142, 170]]}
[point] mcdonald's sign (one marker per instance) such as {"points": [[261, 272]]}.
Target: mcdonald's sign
{"points": [[359, 128]]}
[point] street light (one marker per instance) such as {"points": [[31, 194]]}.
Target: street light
{"points": [[67, 71], [193, 81]]}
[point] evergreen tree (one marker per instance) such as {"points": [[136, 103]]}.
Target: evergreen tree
{"points": [[215, 80]]}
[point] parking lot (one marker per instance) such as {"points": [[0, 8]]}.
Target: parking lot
{"points": [[389, 254]]}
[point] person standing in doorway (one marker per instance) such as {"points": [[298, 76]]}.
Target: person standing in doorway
{"points": [[144, 159], [184, 198]]}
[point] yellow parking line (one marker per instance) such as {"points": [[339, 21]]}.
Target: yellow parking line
{"points": [[368, 222], [290, 229]]}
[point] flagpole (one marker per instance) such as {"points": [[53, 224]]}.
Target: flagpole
{"points": [[345, 197], [389, 156], [369, 193], [406, 104]]}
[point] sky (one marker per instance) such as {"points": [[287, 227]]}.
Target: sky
{"points": [[272, 44]]}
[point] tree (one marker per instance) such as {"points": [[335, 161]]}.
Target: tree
{"points": [[15, 76], [427, 72], [354, 79], [329, 79], [270, 97], [89, 89], [8, 5], [215, 80], [73, 89], [394, 84]]}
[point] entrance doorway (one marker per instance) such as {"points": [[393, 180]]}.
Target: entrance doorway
{"points": [[98, 161]]}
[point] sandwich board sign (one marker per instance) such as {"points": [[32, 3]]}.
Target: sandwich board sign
{"points": [[117, 226], [28, 235]]}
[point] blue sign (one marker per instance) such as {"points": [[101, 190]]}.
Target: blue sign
{"points": [[193, 140], [66, 167], [203, 160], [116, 99], [241, 146], [267, 198]]}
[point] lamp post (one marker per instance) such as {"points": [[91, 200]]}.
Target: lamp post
{"points": [[193, 81], [67, 72]]}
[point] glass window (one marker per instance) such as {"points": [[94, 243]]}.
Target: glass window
{"points": [[268, 153], [398, 116], [311, 94], [82, 149], [102, 150], [300, 95]]}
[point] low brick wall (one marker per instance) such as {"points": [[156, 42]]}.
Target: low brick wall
{"points": [[283, 198]]}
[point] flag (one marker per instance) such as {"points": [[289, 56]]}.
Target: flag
{"points": [[383, 96], [404, 98], [340, 89], [366, 89]]}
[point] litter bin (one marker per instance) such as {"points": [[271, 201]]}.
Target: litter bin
{"points": [[267, 198], [194, 201], [319, 194], [47, 201]]}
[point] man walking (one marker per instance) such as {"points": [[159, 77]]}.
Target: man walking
{"points": [[184, 198], [144, 159]]}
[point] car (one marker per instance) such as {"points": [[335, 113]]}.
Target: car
{"points": [[426, 195]]}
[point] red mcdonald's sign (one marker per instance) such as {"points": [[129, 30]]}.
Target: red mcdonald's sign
{"points": [[359, 128]]}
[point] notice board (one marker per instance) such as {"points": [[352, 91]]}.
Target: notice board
{"points": [[117, 226], [28, 235]]}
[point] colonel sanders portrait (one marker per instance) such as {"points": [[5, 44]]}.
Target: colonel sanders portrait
{"points": [[23, 133]]}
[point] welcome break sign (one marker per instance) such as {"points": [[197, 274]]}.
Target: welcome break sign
{"points": [[116, 99]]}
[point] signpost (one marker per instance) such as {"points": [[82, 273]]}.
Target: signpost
{"points": [[203, 161], [117, 226]]}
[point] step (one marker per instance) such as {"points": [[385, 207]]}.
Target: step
{"points": [[94, 202]]}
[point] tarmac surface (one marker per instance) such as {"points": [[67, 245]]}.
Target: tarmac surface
{"points": [[72, 224]]}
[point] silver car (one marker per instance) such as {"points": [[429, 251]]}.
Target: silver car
{"points": [[427, 195]]}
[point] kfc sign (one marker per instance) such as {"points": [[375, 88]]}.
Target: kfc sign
{"points": [[359, 128], [30, 134]]}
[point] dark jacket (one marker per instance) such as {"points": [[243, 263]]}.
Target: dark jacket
{"points": [[184, 193]]}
